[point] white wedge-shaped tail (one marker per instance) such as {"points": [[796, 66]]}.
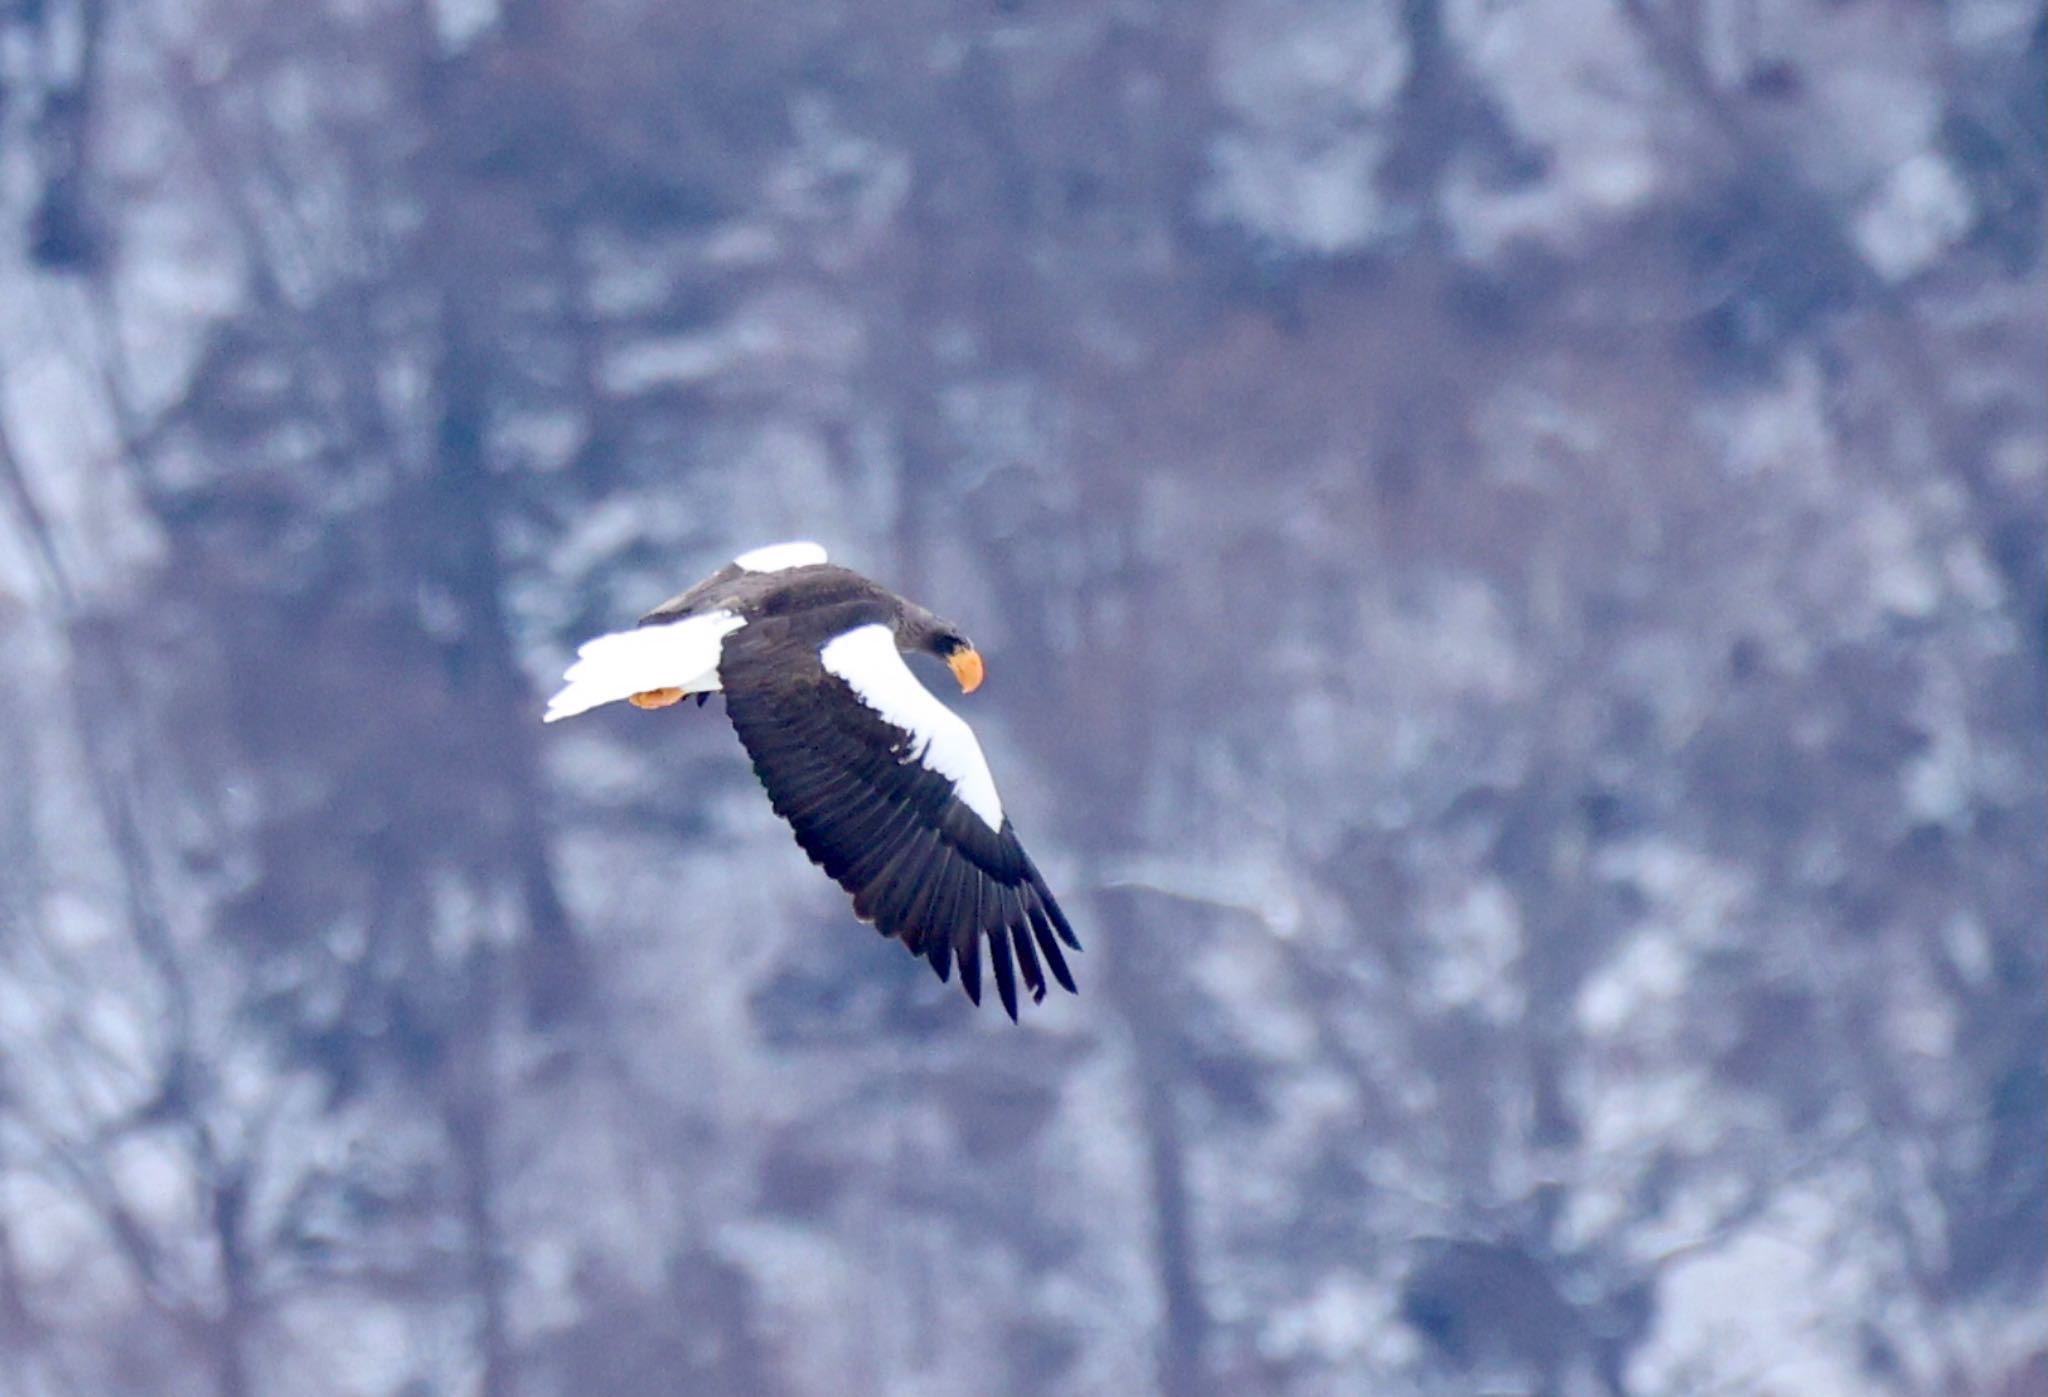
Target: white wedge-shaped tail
{"points": [[674, 655]]}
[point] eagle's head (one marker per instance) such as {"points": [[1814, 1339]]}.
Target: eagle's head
{"points": [[919, 630]]}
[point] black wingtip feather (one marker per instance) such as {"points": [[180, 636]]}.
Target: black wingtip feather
{"points": [[1059, 918], [969, 956], [1049, 946], [1016, 927], [1027, 959], [1006, 974]]}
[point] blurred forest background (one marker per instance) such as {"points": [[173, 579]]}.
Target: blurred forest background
{"points": [[1509, 540]]}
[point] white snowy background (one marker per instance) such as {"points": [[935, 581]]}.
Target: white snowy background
{"points": [[1508, 537]]}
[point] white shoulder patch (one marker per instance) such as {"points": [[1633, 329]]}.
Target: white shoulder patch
{"points": [[868, 660], [777, 556], [675, 655]]}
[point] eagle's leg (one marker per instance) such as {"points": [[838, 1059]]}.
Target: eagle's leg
{"points": [[655, 698]]}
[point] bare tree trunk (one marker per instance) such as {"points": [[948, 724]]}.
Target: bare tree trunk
{"points": [[454, 542], [458, 547], [99, 668], [470, 1112], [231, 1335], [1157, 1050]]}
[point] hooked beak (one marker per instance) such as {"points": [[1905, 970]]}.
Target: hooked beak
{"points": [[966, 666]]}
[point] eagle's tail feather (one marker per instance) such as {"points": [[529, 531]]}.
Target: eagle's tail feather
{"points": [[675, 655]]}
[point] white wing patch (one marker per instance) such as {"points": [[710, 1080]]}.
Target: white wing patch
{"points": [[777, 556], [867, 659], [678, 655]]}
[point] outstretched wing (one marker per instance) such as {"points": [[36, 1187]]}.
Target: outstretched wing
{"points": [[889, 793]]}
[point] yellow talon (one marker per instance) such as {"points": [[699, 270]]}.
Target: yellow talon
{"points": [[655, 698]]}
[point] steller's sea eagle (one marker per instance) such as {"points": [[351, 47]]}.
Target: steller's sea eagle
{"points": [[885, 786]]}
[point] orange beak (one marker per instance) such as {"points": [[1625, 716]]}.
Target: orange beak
{"points": [[966, 666]]}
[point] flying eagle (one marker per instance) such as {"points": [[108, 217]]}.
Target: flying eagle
{"points": [[885, 786]]}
